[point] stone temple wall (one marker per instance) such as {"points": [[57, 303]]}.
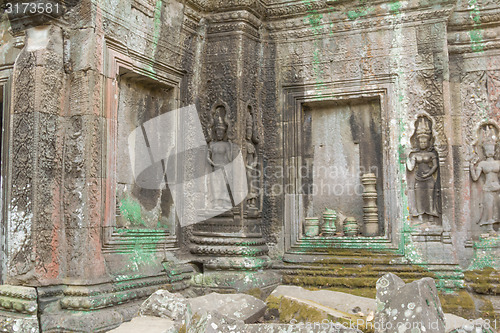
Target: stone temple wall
{"points": [[316, 94]]}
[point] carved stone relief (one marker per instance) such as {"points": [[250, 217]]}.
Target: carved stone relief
{"points": [[474, 96], [426, 94], [253, 164], [484, 169], [220, 153], [423, 165]]}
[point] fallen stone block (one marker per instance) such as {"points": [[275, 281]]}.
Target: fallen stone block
{"points": [[167, 305], [213, 322], [414, 307], [351, 304], [236, 306], [453, 322], [295, 310]]}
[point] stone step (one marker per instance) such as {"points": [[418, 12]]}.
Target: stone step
{"points": [[347, 270], [485, 281], [342, 256]]}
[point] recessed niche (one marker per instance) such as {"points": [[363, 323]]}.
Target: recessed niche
{"points": [[341, 142], [137, 206]]}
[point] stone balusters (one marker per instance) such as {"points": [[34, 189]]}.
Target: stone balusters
{"points": [[370, 209]]}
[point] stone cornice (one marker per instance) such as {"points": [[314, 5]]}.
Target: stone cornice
{"points": [[298, 28], [257, 7], [235, 16], [462, 20], [474, 48], [474, 29], [329, 21], [270, 10]]}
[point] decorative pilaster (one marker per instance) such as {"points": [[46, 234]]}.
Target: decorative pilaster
{"points": [[231, 246]]}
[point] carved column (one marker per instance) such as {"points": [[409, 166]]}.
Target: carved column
{"points": [[34, 231], [370, 209]]}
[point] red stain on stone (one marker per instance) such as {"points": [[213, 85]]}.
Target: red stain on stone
{"points": [[55, 244], [53, 267]]}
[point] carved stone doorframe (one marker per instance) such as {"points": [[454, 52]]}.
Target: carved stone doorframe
{"points": [[5, 88], [122, 62], [293, 98]]}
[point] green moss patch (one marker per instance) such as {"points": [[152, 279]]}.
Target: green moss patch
{"points": [[484, 281]]}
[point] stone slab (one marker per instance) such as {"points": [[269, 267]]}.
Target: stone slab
{"points": [[145, 324], [344, 302], [213, 322], [453, 322], [287, 328], [237, 306]]}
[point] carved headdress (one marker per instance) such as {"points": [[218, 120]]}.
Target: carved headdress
{"points": [[220, 123], [489, 135], [423, 128]]}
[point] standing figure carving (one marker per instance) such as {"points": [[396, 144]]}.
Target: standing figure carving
{"points": [[252, 159], [490, 167], [423, 161], [219, 155]]}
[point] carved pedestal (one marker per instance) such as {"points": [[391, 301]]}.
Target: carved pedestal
{"points": [[433, 248], [233, 253], [486, 252]]}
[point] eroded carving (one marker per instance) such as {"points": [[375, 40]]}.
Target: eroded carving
{"points": [[252, 139], [423, 162], [489, 166], [219, 154]]}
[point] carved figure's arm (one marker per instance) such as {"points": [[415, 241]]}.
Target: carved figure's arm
{"points": [[475, 172], [229, 152], [209, 153], [411, 162], [434, 166]]}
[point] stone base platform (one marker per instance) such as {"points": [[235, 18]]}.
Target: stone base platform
{"points": [[84, 308], [257, 283]]}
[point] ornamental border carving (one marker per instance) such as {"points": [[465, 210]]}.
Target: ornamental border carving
{"points": [[297, 28]]}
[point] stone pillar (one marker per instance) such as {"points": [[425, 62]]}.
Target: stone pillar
{"points": [[231, 246], [34, 230], [474, 86]]}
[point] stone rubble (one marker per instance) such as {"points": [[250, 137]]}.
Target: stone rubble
{"points": [[165, 304], [301, 310]]}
